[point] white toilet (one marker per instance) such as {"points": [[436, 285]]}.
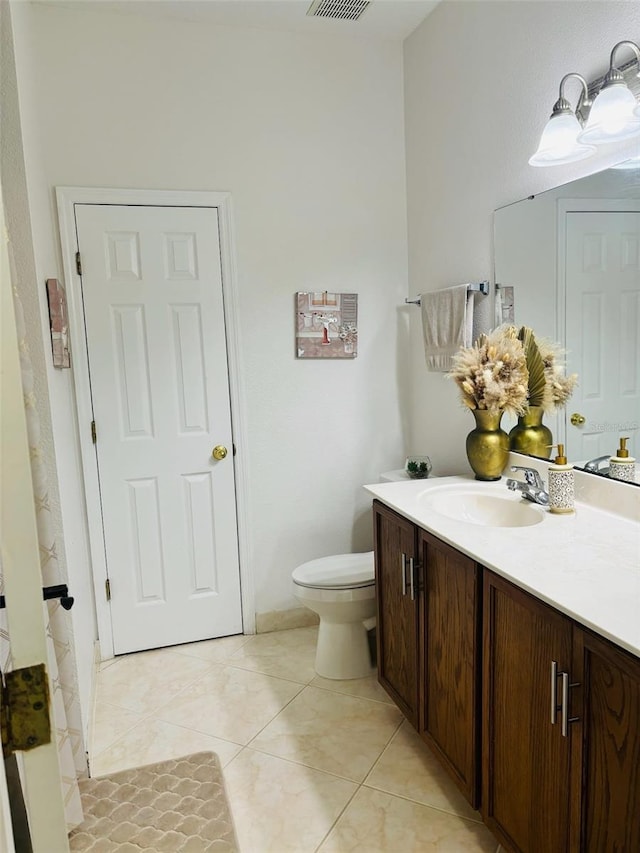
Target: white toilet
{"points": [[341, 590]]}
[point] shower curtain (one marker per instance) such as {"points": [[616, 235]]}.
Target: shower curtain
{"points": [[65, 704]]}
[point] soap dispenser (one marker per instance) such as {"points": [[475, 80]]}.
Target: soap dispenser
{"points": [[622, 466], [561, 492]]}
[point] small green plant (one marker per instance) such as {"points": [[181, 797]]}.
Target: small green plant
{"points": [[418, 470]]}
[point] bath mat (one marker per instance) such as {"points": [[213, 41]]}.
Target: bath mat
{"points": [[176, 806]]}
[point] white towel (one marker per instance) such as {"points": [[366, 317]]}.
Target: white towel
{"points": [[447, 325]]}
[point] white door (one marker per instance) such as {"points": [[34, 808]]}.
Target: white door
{"points": [[152, 292], [603, 331], [20, 561]]}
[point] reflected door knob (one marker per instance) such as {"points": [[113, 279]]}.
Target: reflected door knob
{"points": [[577, 419], [219, 451]]}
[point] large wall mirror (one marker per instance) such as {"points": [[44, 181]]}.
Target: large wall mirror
{"points": [[572, 256]]}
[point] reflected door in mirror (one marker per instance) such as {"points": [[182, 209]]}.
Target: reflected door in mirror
{"points": [[602, 279]]}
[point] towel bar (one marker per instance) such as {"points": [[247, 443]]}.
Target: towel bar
{"points": [[473, 286]]}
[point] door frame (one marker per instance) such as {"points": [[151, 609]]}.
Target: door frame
{"points": [[564, 207], [67, 198]]}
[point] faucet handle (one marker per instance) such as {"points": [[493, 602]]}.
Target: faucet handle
{"points": [[531, 476]]}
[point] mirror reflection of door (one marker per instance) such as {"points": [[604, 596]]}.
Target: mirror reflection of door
{"points": [[602, 322]]}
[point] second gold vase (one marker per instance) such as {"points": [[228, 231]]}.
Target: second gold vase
{"points": [[530, 435]]}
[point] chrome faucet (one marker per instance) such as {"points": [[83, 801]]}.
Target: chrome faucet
{"points": [[532, 488], [593, 465]]}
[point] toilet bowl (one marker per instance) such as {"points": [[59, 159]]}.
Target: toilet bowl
{"points": [[341, 590]]}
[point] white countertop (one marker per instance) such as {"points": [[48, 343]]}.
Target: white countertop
{"points": [[586, 565]]}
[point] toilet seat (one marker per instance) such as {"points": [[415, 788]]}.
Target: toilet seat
{"points": [[337, 572]]}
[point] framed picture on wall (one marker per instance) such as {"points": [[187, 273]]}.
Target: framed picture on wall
{"points": [[326, 324]]}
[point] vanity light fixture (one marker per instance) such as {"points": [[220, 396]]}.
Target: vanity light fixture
{"points": [[559, 141], [608, 111], [616, 112]]}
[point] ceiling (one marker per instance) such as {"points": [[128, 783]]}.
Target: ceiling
{"points": [[383, 19]]}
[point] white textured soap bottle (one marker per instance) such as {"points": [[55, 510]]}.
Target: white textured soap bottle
{"points": [[561, 489], [622, 466]]}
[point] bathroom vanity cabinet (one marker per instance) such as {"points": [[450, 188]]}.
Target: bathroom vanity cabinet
{"points": [[428, 631], [396, 551], [475, 661], [561, 729]]}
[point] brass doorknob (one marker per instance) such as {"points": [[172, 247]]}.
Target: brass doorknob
{"points": [[577, 419], [219, 451]]}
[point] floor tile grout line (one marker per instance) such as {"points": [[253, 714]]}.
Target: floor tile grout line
{"points": [[384, 749], [264, 751], [93, 756], [399, 797], [366, 784], [302, 764], [408, 799], [275, 716], [295, 763], [299, 693], [342, 811], [209, 666], [269, 674], [247, 638], [354, 695]]}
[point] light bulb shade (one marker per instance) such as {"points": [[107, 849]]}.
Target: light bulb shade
{"points": [[613, 116], [558, 143]]}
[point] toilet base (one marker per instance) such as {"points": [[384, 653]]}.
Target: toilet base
{"points": [[343, 651]]}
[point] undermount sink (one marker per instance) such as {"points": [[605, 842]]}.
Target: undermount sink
{"points": [[478, 505]]}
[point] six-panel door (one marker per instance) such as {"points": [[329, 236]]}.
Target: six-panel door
{"points": [[153, 302]]}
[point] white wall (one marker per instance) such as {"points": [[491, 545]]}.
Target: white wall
{"points": [[307, 134], [480, 81]]}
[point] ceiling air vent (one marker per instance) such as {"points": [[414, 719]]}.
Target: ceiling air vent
{"points": [[346, 10]]}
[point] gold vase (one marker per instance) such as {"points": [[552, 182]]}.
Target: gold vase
{"points": [[487, 445], [530, 435]]}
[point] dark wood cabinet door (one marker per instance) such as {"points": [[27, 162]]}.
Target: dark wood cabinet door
{"points": [[450, 641], [397, 621], [526, 781], [606, 748]]}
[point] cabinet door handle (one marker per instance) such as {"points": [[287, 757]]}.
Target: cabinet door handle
{"points": [[403, 563], [554, 692], [566, 719]]}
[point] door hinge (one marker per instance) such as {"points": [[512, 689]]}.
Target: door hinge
{"points": [[233, 449], [78, 263], [107, 589], [94, 435], [24, 710]]}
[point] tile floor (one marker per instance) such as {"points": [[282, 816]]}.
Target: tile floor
{"points": [[310, 764]]}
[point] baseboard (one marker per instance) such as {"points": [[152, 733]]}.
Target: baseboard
{"points": [[282, 620]]}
